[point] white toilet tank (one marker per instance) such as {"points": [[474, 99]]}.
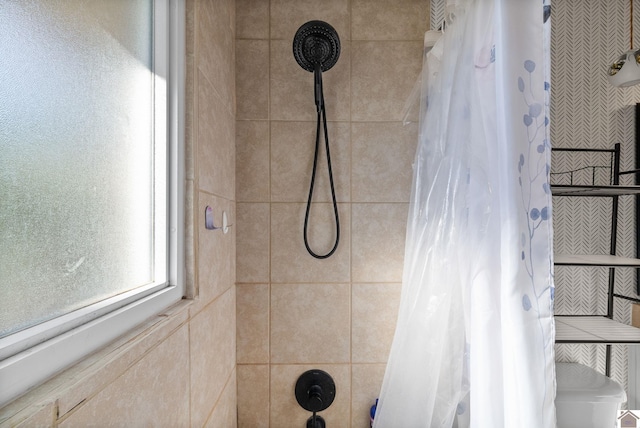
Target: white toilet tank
{"points": [[586, 398]]}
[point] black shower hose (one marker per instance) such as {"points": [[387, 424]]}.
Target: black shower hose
{"points": [[321, 118]]}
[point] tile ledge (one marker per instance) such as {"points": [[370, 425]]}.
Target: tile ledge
{"points": [[90, 375]]}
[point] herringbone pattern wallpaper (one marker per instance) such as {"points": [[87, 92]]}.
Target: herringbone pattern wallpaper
{"points": [[436, 12], [587, 112]]}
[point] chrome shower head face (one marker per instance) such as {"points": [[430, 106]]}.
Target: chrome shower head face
{"points": [[316, 43]]}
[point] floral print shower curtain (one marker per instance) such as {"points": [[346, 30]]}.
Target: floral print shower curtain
{"points": [[475, 334]]}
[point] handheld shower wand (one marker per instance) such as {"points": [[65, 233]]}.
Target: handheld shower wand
{"points": [[316, 48]]}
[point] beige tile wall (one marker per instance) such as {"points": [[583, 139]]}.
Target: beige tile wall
{"points": [[179, 369], [295, 312]]}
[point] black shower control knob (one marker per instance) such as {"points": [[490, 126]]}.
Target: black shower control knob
{"points": [[315, 390], [315, 398]]}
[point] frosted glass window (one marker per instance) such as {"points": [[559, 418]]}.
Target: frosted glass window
{"points": [[79, 163]]}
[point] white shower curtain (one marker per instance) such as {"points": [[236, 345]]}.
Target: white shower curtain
{"points": [[475, 333]]}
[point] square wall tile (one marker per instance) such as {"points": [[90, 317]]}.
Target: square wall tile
{"points": [[290, 261], [252, 317], [216, 250], [213, 356], [216, 143], [288, 15], [285, 410], [216, 47], [43, 417], [378, 237], [383, 153], [310, 323], [292, 93], [225, 414], [366, 381], [230, 6], [252, 161], [253, 396], [385, 20], [252, 255], [252, 79], [141, 397], [292, 152], [373, 321], [252, 19], [383, 76]]}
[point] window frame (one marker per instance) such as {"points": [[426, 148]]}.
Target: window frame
{"points": [[31, 356]]}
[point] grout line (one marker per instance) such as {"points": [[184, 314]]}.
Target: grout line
{"points": [[269, 248], [350, 255]]}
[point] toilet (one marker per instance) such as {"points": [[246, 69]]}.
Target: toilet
{"points": [[586, 398]]}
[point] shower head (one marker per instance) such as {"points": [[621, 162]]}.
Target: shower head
{"points": [[316, 43], [316, 47]]}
